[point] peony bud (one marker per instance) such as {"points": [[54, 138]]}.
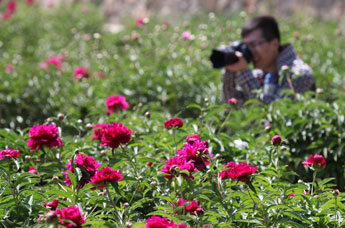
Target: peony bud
{"points": [[148, 114], [218, 156], [319, 90], [268, 128], [276, 140], [80, 121], [153, 183], [125, 205], [149, 164], [103, 152], [51, 217], [60, 116], [128, 224], [336, 192], [54, 178], [27, 157], [89, 125]]}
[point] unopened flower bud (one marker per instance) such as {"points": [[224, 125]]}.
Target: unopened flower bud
{"points": [[49, 120], [54, 178], [60, 116], [27, 157], [283, 148], [276, 140], [218, 156], [148, 114], [51, 217], [76, 151], [153, 183], [125, 205], [136, 133], [102, 193], [128, 224], [80, 121], [149, 164], [319, 90], [336, 192], [89, 125], [103, 152], [268, 128], [285, 68]]}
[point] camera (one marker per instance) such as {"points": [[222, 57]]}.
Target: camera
{"points": [[227, 56]]}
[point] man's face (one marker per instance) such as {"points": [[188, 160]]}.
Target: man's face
{"points": [[265, 53]]}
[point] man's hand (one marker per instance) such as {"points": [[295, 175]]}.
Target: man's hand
{"points": [[239, 66]]}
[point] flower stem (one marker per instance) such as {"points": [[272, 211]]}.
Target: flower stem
{"points": [[335, 212], [174, 136], [117, 218], [113, 152], [224, 122], [314, 181]]}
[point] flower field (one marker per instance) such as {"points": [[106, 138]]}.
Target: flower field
{"points": [[127, 129]]}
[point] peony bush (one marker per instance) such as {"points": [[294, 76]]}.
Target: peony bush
{"points": [[73, 154]]}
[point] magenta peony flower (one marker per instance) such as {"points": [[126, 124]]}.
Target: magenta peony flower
{"points": [[232, 101], [197, 154], [158, 222], [43, 135], [88, 166], [81, 72], [72, 214], [192, 139], [173, 167], [116, 103], [114, 134], [276, 140], [57, 62], [191, 206], [29, 2], [315, 159], [291, 195], [186, 36], [51, 205], [106, 175], [240, 171], [32, 170], [9, 68], [9, 153], [10, 9], [98, 131], [173, 122], [141, 21]]}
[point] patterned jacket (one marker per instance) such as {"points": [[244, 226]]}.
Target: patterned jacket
{"points": [[248, 84]]}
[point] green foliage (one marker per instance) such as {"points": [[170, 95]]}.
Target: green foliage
{"points": [[161, 74]]}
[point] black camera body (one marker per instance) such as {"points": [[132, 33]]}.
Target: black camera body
{"points": [[227, 56]]}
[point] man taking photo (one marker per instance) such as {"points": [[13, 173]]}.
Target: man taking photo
{"points": [[279, 66]]}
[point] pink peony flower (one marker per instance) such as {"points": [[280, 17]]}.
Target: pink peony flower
{"points": [[173, 122], [291, 195], [232, 101], [51, 205], [88, 166], [114, 134], [81, 72], [190, 206], [9, 68], [106, 175], [176, 164], [315, 159], [186, 36], [192, 139], [29, 2], [101, 74], [240, 171], [9, 153], [57, 62], [32, 170], [11, 6], [276, 140], [141, 21], [158, 222], [197, 154], [98, 131], [70, 214], [43, 135], [116, 103]]}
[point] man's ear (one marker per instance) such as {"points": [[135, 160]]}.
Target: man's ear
{"points": [[276, 43]]}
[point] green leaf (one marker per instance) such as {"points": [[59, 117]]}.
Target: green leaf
{"points": [[72, 178]]}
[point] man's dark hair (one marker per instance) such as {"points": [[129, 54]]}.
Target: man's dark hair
{"points": [[267, 24]]}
